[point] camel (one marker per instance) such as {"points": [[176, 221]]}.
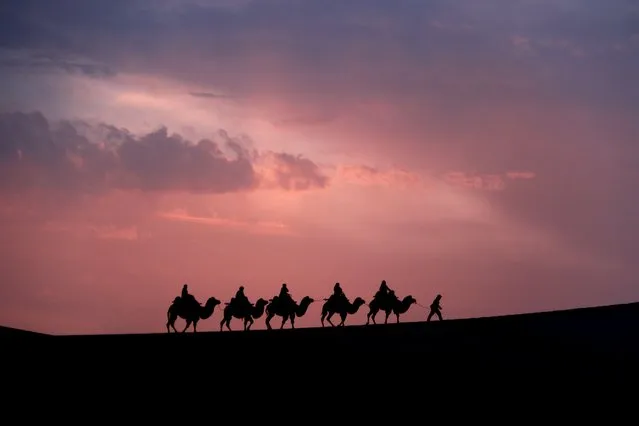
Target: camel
{"points": [[255, 312], [395, 306], [192, 311], [342, 307], [286, 311]]}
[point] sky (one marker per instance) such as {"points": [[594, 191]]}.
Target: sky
{"points": [[487, 151]]}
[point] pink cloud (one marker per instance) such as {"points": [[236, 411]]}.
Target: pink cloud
{"points": [[60, 157], [485, 182], [289, 172], [520, 175], [258, 227], [102, 232], [366, 175]]}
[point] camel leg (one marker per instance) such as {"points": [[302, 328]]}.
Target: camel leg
{"points": [[292, 321], [371, 316], [173, 324], [284, 319], [387, 315], [397, 315], [170, 320], [268, 321], [226, 321], [323, 317], [343, 317], [329, 319], [194, 326], [188, 324]]}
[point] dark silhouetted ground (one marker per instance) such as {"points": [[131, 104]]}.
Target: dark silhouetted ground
{"points": [[547, 348]]}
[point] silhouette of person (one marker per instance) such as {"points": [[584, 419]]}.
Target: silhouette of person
{"points": [[240, 299], [284, 292], [338, 293], [384, 292], [435, 308], [186, 296], [391, 295], [285, 297]]}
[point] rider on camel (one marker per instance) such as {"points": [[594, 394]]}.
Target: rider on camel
{"points": [[338, 293], [240, 300], [285, 296], [284, 291], [186, 297], [383, 291]]}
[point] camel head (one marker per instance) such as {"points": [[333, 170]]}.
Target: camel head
{"points": [[359, 301], [213, 301], [307, 299], [409, 300], [261, 302]]}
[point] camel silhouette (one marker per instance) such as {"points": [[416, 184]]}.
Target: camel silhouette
{"points": [[286, 310], [341, 306], [253, 312], [393, 305], [191, 311]]}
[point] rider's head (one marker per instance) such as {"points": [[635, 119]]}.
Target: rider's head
{"points": [[284, 285], [241, 288]]}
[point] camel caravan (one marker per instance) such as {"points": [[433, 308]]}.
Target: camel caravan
{"points": [[283, 305]]}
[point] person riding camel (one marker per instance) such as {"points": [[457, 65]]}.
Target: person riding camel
{"points": [[285, 296], [240, 300], [383, 292], [186, 296], [284, 291], [338, 293], [391, 295]]}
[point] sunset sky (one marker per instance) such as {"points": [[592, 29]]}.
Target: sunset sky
{"points": [[485, 150]]}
